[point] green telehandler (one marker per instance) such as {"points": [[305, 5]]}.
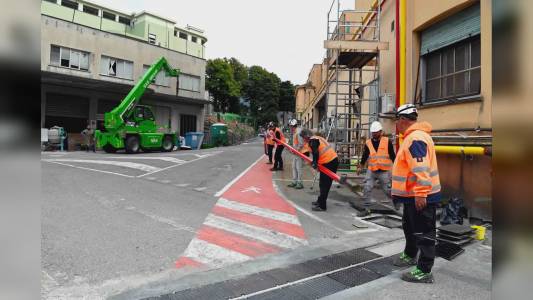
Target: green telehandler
{"points": [[132, 127]]}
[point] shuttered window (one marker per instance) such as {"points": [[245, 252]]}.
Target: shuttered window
{"points": [[453, 29]]}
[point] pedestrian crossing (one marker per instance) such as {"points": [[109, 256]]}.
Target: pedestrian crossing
{"points": [[248, 221], [125, 165]]}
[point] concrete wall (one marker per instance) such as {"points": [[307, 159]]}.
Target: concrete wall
{"points": [[98, 43]]}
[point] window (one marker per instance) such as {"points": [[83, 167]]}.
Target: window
{"points": [[183, 35], [187, 124], [124, 20], [70, 4], [152, 38], [69, 58], [160, 79], [453, 71], [90, 10], [116, 67], [194, 39], [189, 83], [108, 15]]}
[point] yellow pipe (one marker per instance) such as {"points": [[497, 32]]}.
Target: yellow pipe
{"points": [[403, 22], [470, 150]]}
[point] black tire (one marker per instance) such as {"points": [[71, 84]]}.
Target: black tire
{"points": [[167, 144], [109, 149], [133, 144]]}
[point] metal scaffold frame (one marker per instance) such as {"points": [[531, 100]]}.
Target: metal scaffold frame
{"points": [[353, 86]]}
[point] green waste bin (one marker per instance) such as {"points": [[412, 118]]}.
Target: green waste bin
{"points": [[219, 134]]}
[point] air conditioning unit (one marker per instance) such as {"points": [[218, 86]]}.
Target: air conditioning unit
{"points": [[388, 103]]}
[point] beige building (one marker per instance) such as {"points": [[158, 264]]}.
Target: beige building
{"points": [[447, 75], [91, 56]]}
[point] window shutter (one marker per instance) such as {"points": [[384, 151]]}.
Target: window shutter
{"points": [[460, 26]]}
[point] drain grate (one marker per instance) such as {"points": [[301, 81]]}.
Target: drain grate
{"points": [[219, 290], [354, 276], [318, 287], [279, 294]]}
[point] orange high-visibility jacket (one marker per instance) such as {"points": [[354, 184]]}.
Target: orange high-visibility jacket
{"points": [[379, 160], [326, 153], [415, 172], [282, 137]]}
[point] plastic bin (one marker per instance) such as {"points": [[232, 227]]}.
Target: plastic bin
{"points": [[219, 134], [194, 139]]}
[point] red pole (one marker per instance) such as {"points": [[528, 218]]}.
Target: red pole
{"points": [[397, 35], [309, 161]]}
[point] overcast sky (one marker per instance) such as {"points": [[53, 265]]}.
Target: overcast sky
{"points": [[283, 36]]}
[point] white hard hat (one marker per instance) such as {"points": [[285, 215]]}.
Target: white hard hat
{"points": [[375, 126], [406, 109], [293, 122]]}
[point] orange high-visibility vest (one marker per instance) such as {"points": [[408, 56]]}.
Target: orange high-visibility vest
{"points": [[268, 138], [296, 141], [282, 137], [415, 177], [379, 160], [326, 153]]}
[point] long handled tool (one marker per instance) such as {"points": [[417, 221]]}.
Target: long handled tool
{"points": [[321, 168]]}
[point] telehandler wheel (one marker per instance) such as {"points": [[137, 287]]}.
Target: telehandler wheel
{"points": [[109, 149], [132, 144], [167, 145]]}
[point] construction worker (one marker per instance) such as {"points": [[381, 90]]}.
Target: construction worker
{"points": [[379, 152], [269, 143], [324, 154], [278, 159], [298, 144], [415, 183]]}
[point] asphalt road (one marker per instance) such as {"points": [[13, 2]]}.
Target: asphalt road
{"points": [[117, 219]]}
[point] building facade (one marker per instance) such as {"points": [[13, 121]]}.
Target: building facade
{"points": [[91, 56], [448, 66]]}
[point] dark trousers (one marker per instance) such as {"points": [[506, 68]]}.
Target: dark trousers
{"points": [[270, 149], [423, 222], [278, 160], [325, 182]]}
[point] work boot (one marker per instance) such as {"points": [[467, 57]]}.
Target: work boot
{"points": [[273, 169], [416, 275], [292, 185], [318, 208], [314, 203], [404, 261], [299, 186], [269, 163], [364, 213]]}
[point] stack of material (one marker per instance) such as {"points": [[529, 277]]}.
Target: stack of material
{"points": [[456, 234]]}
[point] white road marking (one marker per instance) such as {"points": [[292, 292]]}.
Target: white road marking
{"points": [[170, 167], [89, 169], [213, 255], [164, 158], [258, 211], [182, 184], [131, 165], [252, 189], [261, 234], [225, 188]]}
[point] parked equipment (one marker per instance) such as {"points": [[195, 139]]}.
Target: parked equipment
{"points": [[132, 127]]}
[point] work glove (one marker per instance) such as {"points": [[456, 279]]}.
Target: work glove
{"points": [[314, 165]]}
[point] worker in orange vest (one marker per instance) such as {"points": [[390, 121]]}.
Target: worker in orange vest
{"points": [[415, 183], [269, 144], [324, 154], [278, 159], [379, 153]]}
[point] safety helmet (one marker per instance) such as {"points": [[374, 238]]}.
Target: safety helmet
{"points": [[375, 127], [270, 124], [293, 122], [406, 109]]}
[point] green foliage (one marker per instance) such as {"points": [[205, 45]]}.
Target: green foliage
{"points": [[264, 94]]}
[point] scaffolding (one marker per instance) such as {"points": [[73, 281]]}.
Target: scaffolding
{"points": [[352, 80]]}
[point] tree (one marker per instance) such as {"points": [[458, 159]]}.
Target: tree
{"points": [[221, 84], [262, 90], [286, 96]]}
